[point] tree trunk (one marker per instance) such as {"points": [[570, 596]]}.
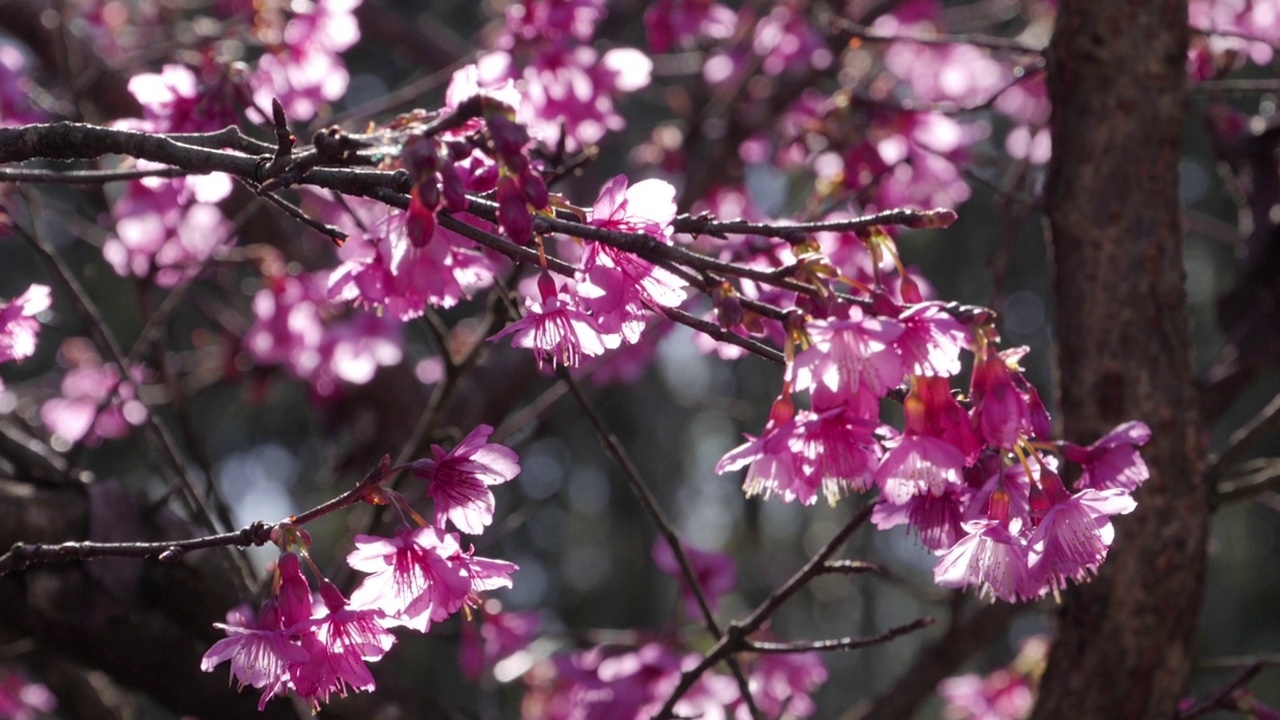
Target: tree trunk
{"points": [[1117, 79]]}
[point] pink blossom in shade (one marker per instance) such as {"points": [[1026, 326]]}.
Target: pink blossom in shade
{"points": [[934, 519], [959, 73], [919, 465], [415, 578], [16, 107], [1113, 461], [991, 558], [356, 347], [19, 327], [80, 414], [305, 71], [555, 329], [21, 699], [931, 340], [716, 574], [853, 357], [260, 651], [339, 642], [459, 480], [289, 324], [998, 696], [1001, 414], [784, 683], [671, 24], [498, 636], [785, 42], [1073, 536], [175, 100], [167, 228]]}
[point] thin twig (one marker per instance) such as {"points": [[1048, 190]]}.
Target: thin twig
{"points": [[800, 646], [862, 32], [85, 177], [668, 531], [735, 639], [23, 555], [1222, 698], [1247, 480]]}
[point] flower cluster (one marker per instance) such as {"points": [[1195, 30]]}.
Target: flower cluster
{"points": [[19, 327], [96, 404], [296, 327], [318, 647], [568, 87], [970, 476]]}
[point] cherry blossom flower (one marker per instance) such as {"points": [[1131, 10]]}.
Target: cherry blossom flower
{"points": [[1001, 414], [339, 642], [260, 650], [1073, 536], [1113, 461], [459, 480], [991, 558], [166, 228], [775, 463], [714, 571], [784, 682], [934, 519], [919, 465], [19, 327], [931, 340], [671, 24], [853, 357], [415, 578]]}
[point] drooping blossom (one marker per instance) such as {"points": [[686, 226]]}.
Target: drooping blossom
{"points": [[1009, 693], [919, 465], [715, 573], [934, 519], [1073, 535], [852, 357], [991, 558], [555, 328], [1001, 414], [931, 340], [415, 577], [260, 650], [177, 100], [458, 480], [305, 71], [775, 463], [568, 86], [1113, 461], [339, 641]]}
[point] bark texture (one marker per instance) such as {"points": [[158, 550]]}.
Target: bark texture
{"points": [[1117, 79]]}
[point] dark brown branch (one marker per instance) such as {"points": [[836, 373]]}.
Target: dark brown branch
{"points": [[23, 555], [84, 177], [1222, 699]]}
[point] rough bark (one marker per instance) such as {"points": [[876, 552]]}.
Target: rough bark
{"points": [[1117, 80]]}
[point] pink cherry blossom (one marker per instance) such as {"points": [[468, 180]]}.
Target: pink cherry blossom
{"points": [[989, 557], [785, 682], [1073, 536], [459, 480], [1113, 461], [167, 228], [1001, 414], [934, 519], [339, 642], [260, 651], [919, 465], [415, 577], [555, 328], [83, 411], [16, 107], [853, 357], [931, 340], [19, 327]]}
